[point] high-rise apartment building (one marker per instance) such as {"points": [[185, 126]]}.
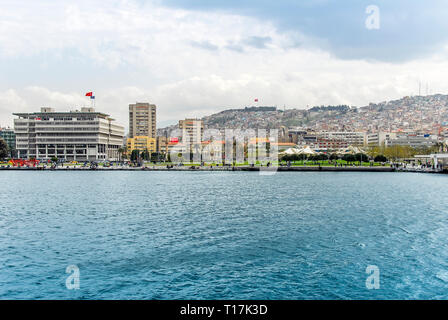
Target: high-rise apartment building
{"points": [[142, 120], [192, 130], [74, 135]]}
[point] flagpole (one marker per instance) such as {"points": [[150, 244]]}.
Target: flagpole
{"points": [[92, 97]]}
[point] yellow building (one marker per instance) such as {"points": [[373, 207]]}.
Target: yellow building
{"points": [[141, 143]]}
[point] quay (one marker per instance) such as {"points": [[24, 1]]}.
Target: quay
{"points": [[211, 168]]}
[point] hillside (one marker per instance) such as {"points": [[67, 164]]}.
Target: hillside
{"points": [[421, 113]]}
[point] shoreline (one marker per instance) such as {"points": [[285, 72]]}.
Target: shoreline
{"points": [[239, 169], [211, 169]]}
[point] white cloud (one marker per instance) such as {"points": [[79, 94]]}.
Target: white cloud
{"points": [[10, 100], [188, 63]]}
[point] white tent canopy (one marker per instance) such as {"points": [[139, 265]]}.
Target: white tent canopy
{"points": [[351, 150], [291, 151], [305, 150]]}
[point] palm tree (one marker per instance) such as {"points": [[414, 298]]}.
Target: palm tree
{"points": [[122, 152]]}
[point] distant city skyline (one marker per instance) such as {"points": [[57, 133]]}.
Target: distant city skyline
{"points": [[195, 60]]}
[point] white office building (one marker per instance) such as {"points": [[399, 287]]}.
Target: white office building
{"points": [[414, 140], [380, 138], [75, 135], [352, 138]]}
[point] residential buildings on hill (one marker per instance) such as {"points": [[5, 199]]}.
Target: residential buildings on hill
{"points": [[418, 121]]}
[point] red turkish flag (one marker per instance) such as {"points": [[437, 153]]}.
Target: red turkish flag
{"points": [[89, 94]]}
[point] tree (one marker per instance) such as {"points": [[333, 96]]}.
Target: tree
{"points": [[399, 152], [156, 157], [3, 149], [349, 158], [380, 158], [334, 156], [361, 157], [317, 157], [134, 155], [145, 155], [321, 156], [122, 153], [375, 150]]}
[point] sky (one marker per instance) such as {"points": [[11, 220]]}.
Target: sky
{"points": [[193, 58]]}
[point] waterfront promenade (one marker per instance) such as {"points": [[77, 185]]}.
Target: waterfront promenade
{"points": [[214, 168], [208, 168]]}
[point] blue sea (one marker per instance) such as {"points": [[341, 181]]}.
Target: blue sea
{"points": [[223, 235]]}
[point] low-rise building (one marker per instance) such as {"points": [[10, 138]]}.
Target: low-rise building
{"points": [[414, 140], [379, 138], [350, 137], [328, 145], [9, 136], [162, 144], [141, 143], [282, 146]]}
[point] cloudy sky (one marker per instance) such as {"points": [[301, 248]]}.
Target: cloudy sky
{"points": [[193, 58]]}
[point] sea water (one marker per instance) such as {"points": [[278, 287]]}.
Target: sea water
{"points": [[223, 235]]}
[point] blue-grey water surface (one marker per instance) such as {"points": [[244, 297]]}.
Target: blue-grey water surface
{"points": [[233, 235]]}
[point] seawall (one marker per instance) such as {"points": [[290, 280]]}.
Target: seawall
{"points": [[208, 168]]}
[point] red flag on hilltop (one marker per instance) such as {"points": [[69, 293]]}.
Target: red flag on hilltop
{"points": [[89, 94]]}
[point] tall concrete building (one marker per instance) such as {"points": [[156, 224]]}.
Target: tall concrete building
{"points": [[192, 130], [74, 135], [142, 120]]}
